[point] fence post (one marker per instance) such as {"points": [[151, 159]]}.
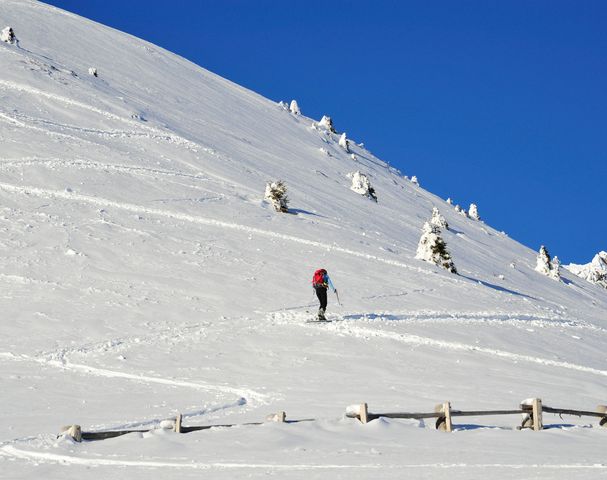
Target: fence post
{"points": [[536, 408], [444, 421], [280, 417], [178, 423], [602, 409], [364, 413]]}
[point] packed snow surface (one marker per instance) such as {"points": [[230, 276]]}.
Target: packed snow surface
{"points": [[143, 275]]}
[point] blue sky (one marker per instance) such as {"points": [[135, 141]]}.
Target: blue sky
{"points": [[500, 103]]}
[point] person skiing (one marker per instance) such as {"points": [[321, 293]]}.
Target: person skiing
{"points": [[320, 282]]}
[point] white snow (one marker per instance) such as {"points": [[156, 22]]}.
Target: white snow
{"points": [[142, 275]]}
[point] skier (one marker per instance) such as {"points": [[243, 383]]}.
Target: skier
{"points": [[320, 282]]}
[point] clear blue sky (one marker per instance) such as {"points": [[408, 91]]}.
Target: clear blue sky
{"points": [[500, 103]]}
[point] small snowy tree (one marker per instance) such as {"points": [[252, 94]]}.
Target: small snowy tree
{"points": [[433, 249], [326, 123], [93, 71], [449, 201], [294, 108], [414, 180], [546, 266], [473, 212], [344, 143], [438, 220], [556, 268], [276, 194], [361, 184], [8, 35]]}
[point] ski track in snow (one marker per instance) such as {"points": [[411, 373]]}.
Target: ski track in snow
{"points": [[102, 372], [45, 457], [345, 327], [106, 203]]}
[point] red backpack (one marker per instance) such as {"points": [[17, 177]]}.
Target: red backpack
{"points": [[318, 280]]}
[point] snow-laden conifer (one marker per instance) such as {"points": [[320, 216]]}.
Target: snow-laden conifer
{"points": [[294, 108], [414, 180], [545, 265], [8, 35], [473, 212], [433, 249], [361, 185], [594, 272], [326, 123], [449, 201], [344, 142], [438, 220], [93, 71], [276, 194], [556, 268]]}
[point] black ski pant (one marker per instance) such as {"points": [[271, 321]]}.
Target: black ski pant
{"points": [[321, 293]]}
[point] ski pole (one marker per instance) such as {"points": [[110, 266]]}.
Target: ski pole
{"points": [[337, 295]]}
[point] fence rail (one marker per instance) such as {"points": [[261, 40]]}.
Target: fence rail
{"points": [[531, 409]]}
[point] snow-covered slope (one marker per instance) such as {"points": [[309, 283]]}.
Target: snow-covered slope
{"points": [[142, 274]]}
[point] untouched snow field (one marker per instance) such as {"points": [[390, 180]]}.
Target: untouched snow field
{"points": [[142, 275]]}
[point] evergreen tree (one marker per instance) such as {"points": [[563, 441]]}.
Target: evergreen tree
{"points": [[361, 184], [433, 249], [344, 143], [473, 212], [326, 123], [546, 266], [294, 108], [8, 35], [438, 220], [276, 194], [414, 180]]}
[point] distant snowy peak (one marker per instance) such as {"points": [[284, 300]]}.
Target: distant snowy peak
{"points": [[594, 272]]}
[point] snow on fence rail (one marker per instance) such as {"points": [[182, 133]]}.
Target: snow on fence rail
{"points": [[531, 409]]}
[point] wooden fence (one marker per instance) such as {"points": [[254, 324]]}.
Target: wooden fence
{"points": [[531, 410]]}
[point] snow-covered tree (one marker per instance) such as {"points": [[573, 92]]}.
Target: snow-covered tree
{"points": [[93, 71], [473, 212], [414, 180], [556, 268], [433, 249], [8, 35], [546, 266], [326, 123], [294, 108], [344, 143], [276, 194], [438, 220], [449, 201], [361, 184]]}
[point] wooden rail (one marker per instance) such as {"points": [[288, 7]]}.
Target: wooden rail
{"points": [[531, 409]]}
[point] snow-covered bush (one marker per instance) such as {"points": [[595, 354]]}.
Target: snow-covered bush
{"points": [[344, 143], [294, 108], [414, 180], [361, 185], [473, 212], [8, 35], [433, 249], [276, 194], [326, 123], [438, 220], [546, 266], [93, 71]]}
